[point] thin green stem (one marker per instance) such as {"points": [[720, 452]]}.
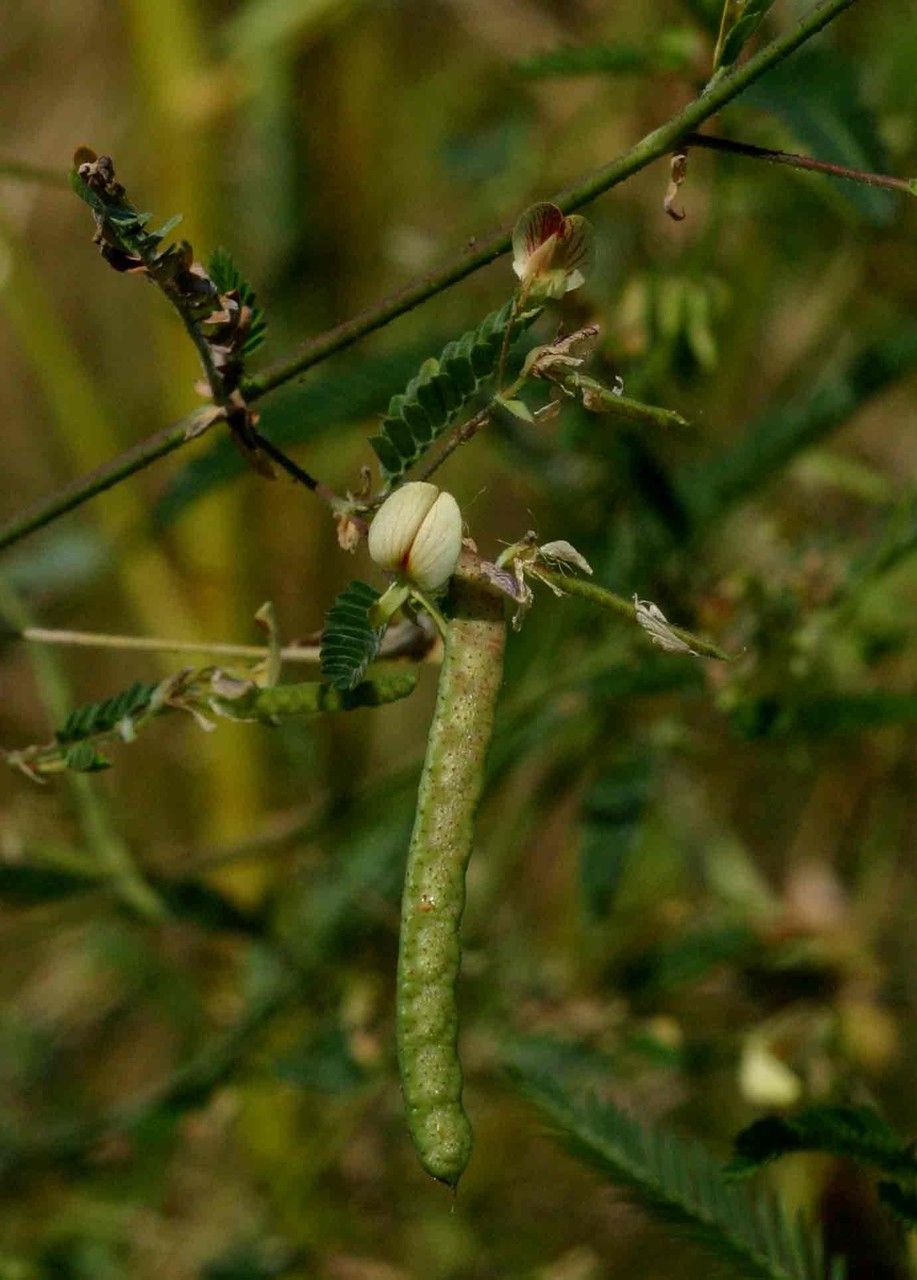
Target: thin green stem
{"points": [[157, 644], [112, 856], [135, 459], [605, 599], [429, 604], [601, 399], [459, 436], [464, 432], [659, 143], [656, 144], [727, 18]]}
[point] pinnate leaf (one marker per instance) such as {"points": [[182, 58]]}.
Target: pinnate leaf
{"points": [[440, 389], [350, 641]]}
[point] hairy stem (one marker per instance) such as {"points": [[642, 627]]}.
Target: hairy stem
{"points": [[656, 144], [605, 599]]}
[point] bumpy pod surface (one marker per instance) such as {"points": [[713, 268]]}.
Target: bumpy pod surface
{"points": [[434, 892]]}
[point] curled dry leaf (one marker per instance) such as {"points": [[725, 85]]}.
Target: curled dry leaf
{"points": [[679, 172], [564, 553], [656, 625], [555, 359]]}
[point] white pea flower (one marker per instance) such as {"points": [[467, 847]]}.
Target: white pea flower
{"points": [[417, 532]]}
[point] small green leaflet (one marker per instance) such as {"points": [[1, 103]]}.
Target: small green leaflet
{"points": [[349, 640], [102, 717], [82, 757], [226, 276], [441, 388], [677, 1180], [857, 1133], [751, 15]]}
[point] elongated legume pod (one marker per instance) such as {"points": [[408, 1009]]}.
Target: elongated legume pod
{"points": [[278, 701], [434, 891]]}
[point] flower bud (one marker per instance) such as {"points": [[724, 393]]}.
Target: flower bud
{"points": [[551, 252], [418, 532]]}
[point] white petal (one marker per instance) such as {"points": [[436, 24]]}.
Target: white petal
{"points": [[437, 546], [396, 523]]}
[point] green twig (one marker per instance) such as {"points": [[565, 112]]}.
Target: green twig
{"points": [[87, 486], [727, 18], [606, 599], [601, 399], [157, 644], [656, 144], [110, 852]]}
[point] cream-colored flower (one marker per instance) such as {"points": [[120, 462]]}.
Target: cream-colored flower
{"points": [[417, 532], [550, 251]]}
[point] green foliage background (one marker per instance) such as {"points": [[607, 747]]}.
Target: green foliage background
{"points": [[678, 862]]}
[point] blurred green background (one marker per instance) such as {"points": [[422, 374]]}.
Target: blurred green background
{"points": [[693, 887]]}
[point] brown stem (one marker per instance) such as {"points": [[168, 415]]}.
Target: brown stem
{"points": [[711, 143], [459, 436]]}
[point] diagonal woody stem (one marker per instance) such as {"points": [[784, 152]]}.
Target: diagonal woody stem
{"points": [[656, 144]]}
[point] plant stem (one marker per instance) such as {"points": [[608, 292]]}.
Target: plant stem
{"points": [[398, 642], [156, 644], [466, 431], [110, 853], [128, 463], [712, 143], [459, 436], [606, 599], [656, 144]]}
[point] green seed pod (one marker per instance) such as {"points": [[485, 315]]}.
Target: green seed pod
{"points": [[434, 892]]}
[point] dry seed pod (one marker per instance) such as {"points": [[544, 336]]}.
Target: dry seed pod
{"points": [[418, 532]]}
